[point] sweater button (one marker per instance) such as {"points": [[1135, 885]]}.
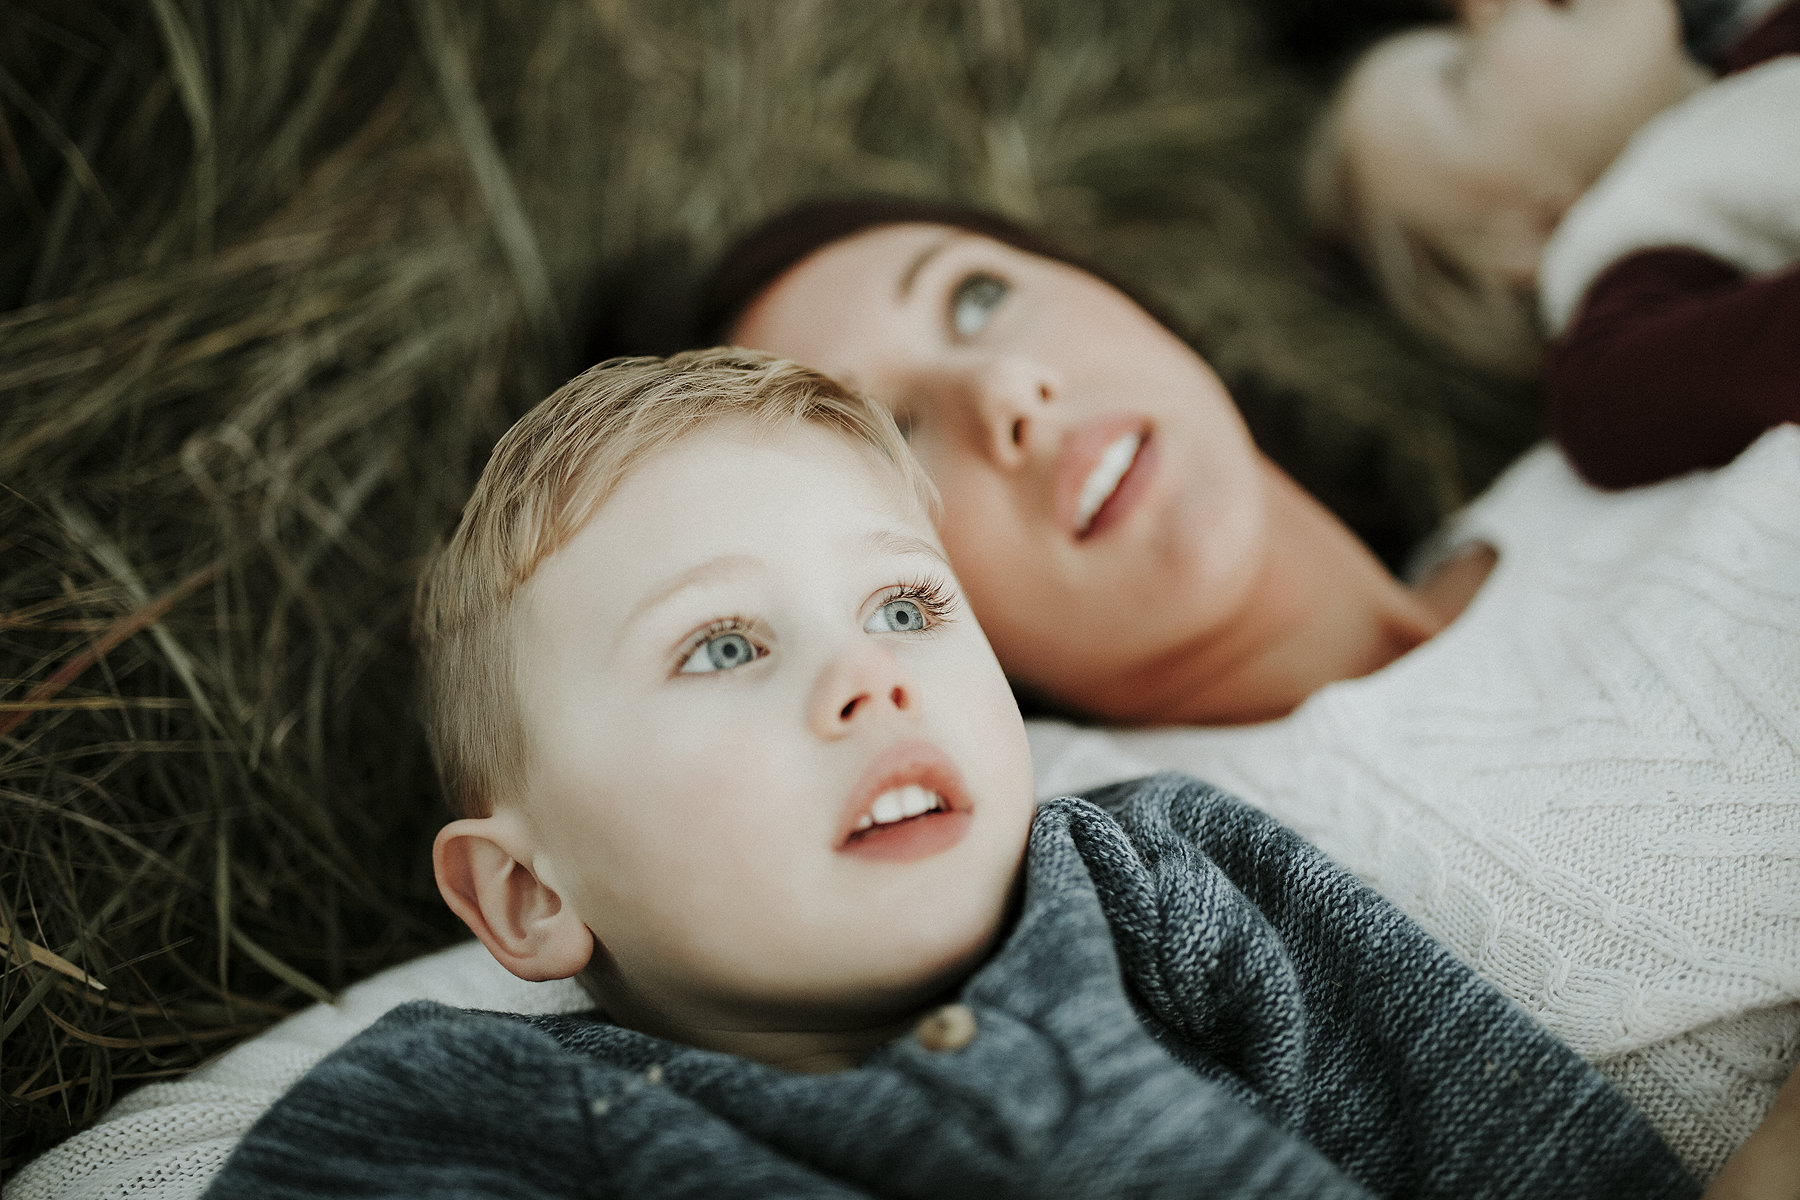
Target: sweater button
{"points": [[948, 1028]]}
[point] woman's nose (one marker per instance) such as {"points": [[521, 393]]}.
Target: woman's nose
{"points": [[1010, 399], [864, 682]]}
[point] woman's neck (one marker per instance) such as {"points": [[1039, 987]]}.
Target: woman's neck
{"points": [[1321, 609]]}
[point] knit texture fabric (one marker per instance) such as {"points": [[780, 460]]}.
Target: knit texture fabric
{"points": [[1587, 786], [1193, 1002]]}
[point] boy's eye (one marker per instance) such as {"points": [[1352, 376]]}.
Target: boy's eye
{"points": [[974, 301], [896, 616], [720, 652]]}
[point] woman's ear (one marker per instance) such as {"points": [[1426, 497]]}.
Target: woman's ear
{"points": [[483, 874]]}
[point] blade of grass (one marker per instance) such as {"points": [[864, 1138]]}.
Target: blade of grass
{"points": [[55, 962], [127, 625], [492, 176]]}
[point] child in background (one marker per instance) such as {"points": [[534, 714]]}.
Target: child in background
{"points": [[1564, 169], [723, 740]]}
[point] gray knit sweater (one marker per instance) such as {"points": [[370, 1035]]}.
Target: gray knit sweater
{"points": [[1194, 1002]]}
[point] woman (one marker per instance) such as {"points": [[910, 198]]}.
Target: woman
{"points": [[1088, 459], [1588, 785]]}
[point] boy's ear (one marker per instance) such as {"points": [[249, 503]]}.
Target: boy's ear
{"points": [[482, 874]]}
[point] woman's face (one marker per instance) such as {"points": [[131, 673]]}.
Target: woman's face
{"points": [[1103, 502]]}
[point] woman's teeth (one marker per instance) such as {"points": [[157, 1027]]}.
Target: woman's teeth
{"points": [[1105, 477], [897, 804]]}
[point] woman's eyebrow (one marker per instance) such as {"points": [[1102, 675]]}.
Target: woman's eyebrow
{"points": [[918, 264]]}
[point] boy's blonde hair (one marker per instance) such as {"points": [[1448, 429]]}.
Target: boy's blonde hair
{"points": [[1488, 322], [547, 477]]}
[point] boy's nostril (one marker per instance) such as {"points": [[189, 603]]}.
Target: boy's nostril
{"points": [[899, 697]]}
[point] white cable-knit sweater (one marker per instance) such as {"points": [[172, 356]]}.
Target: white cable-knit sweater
{"points": [[1588, 785]]}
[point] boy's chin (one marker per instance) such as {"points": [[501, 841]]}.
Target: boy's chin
{"points": [[937, 975]]}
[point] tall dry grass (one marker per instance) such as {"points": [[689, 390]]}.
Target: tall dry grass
{"points": [[274, 274]]}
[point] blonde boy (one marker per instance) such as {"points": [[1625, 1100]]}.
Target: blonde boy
{"points": [[695, 634], [722, 738]]}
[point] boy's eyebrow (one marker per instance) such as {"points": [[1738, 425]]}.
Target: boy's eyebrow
{"points": [[887, 541], [892, 541], [705, 572]]}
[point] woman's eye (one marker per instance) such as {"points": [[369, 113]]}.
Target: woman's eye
{"points": [[896, 616], [974, 301], [720, 652]]}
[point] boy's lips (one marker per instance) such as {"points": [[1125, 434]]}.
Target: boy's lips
{"points": [[896, 780], [1101, 469]]}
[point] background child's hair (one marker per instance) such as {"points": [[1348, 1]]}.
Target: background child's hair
{"points": [[547, 477], [1490, 323]]}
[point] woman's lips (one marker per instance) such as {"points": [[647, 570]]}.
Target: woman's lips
{"points": [[906, 768], [1102, 470]]}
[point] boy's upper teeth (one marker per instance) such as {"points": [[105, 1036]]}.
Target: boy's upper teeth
{"points": [[897, 804], [1105, 477]]}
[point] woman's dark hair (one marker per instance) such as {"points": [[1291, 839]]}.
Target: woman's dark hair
{"points": [[763, 253], [656, 302]]}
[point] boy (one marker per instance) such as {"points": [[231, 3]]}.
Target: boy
{"points": [[1566, 166], [722, 739]]}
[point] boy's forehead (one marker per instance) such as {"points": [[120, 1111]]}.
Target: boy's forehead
{"points": [[736, 467], [734, 492]]}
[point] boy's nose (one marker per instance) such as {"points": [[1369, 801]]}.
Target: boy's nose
{"points": [[861, 684]]}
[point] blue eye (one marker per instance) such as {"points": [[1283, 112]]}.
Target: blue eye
{"points": [[720, 652], [896, 616], [974, 301]]}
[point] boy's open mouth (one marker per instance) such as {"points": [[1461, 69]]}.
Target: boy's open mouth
{"points": [[900, 804], [909, 804]]}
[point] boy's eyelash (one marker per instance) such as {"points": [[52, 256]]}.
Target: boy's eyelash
{"points": [[712, 629], [931, 594]]}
